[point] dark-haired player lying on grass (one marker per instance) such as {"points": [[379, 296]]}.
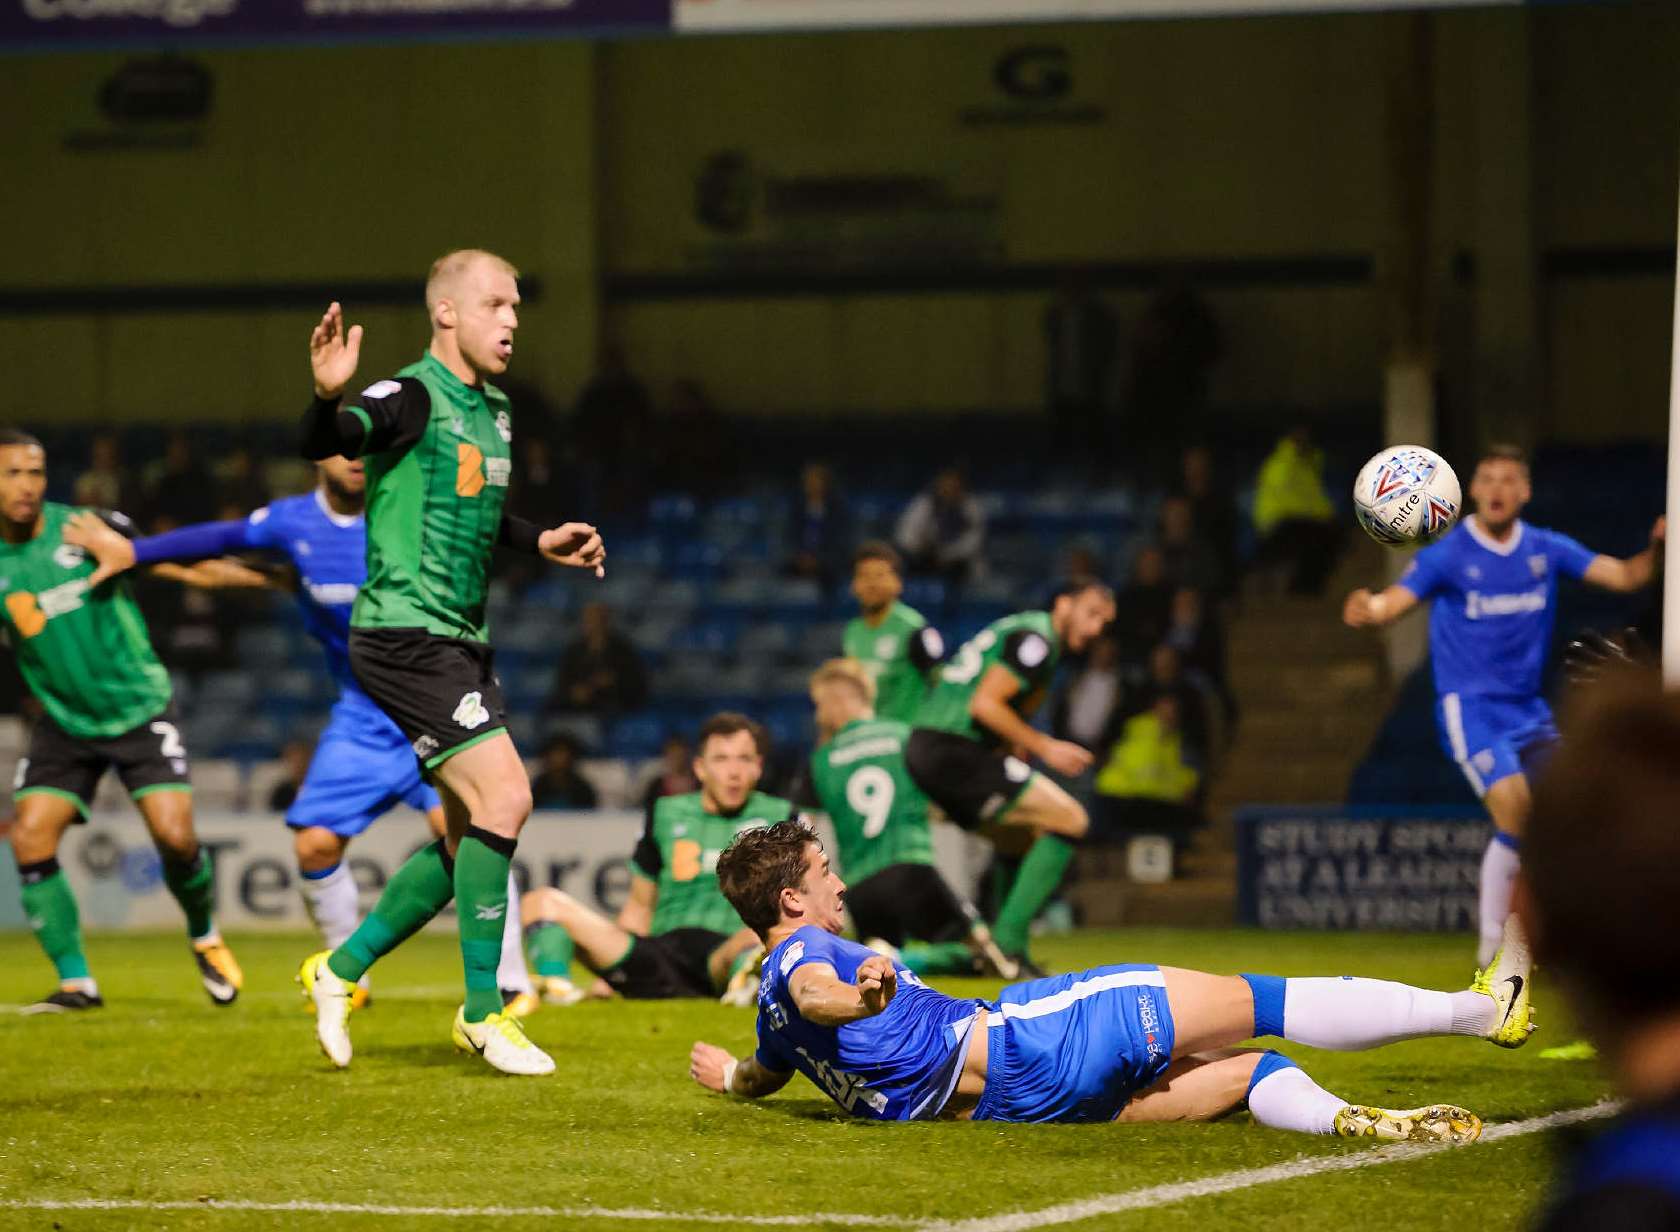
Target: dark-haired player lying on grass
{"points": [[1130, 1042]]}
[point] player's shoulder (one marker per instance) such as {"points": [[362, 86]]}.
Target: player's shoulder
{"points": [[761, 806], [286, 511], [810, 944], [879, 728], [907, 617], [405, 389], [681, 805]]}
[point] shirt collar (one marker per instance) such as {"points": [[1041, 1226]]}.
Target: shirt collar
{"points": [[342, 520], [1493, 545]]}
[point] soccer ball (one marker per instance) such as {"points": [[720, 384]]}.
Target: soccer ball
{"points": [[1406, 495]]}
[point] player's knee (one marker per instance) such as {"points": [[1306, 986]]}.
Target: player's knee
{"points": [[545, 904], [33, 839], [504, 810], [317, 849]]}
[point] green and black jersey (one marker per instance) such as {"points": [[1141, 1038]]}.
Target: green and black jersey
{"points": [[679, 852], [898, 653], [880, 816], [85, 654], [438, 454], [1025, 644]]}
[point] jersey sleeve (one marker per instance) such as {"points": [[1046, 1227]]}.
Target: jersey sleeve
{"points": [[1569, 556], [119, 522], [198, 542], [925, 649], [386, 417], [263, 529], [1025, 652], [1426, 576], [647, 859]]}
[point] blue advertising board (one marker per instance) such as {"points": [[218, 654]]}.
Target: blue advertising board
{"points": [[1392, 869]]}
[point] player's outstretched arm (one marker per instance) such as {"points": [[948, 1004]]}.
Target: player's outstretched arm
{"points": [[1634, 573], [577, 544], [116, 552], [716, 1070], [991, 709], [825, 999], [334, 352], [217, 575], [1363, 609]]}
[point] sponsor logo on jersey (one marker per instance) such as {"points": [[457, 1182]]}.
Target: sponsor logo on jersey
{"points": [[1478, 606], [469, 470], [470, 711], [68, 556], [504, 427], [1150, 1021], [847, 1089], [497, 471], [776, 1015], [425, 746], [30, 613], [333, 594]]}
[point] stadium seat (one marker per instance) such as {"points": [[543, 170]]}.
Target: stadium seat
{"points": [[637, 735], [587, 730]]}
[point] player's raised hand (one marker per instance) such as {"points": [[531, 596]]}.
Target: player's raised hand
{"points": [[877, 982], [577, 544], [706, 1063], [112, 553], [1356, 609], [1066, 757], [334, 352]]}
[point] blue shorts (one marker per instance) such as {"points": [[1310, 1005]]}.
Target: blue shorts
{"points": [[363, 768], [1492, 738], [1075, 1047]]}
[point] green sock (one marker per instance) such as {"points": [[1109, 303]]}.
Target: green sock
{"points": [[50, 907], [550, 948], [481, 900], [941, 958], [417, 891], [194, 887], [1041, 872]]}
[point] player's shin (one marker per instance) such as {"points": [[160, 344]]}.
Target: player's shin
{"points": [[1281, 1096], [550, 948], [50, 907], [1347, 1014], [329, 895], [417, 891], [192, 882], [944, 958], [1500, 863], [481, 882], [1039, 877]]}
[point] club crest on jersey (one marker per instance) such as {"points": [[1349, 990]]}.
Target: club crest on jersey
{"points": [[68, 555], [504, 427], [884, 647], [1537, 565], [470, 711]]}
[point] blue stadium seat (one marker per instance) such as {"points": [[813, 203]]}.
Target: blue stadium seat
{"points": [[765, 643], [588, 730], [264, 646], [228, 689], [636, 735]]}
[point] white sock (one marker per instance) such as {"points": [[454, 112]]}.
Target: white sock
{"points": [[1347, 1014], [511, 973], [1287, 1099], [85, 983], [331, 901], [1499, 873]]}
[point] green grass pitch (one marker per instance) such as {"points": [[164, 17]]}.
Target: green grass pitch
{"points": [[162, 1098]]}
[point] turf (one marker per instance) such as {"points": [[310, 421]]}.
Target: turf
{"points": [[162, 1097]]}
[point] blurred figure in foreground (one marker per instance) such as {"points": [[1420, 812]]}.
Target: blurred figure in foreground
{"points": [[1598, 901]]}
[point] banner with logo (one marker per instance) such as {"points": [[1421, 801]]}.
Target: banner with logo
{"points": [[181, 24], [1406, 870], [693, 15], [118, 880]]}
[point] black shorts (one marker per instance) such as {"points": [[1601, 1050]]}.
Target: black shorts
{"points": [[905, 902], [442, 691], [975, 785], [147, 758], [672, 964]]}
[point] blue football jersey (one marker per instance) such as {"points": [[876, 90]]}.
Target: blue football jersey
{"points": [[900, 1065], [1494, 605], [329, 552]]}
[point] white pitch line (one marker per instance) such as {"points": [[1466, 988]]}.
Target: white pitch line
{"points": [[1228, 1182], [630, 1214]]}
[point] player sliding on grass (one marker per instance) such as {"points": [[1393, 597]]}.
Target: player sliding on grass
{"points": [[436, 441], [82, 648], [1494, 582], [1131, 1042], [897, 896], [971, 740], [363, 766], [677, 936]]}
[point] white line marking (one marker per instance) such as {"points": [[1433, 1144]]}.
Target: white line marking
{"points": [[632, 1214], [1019, 1221], [1227, 1182]]}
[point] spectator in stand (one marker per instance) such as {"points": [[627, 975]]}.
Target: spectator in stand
{"points": [[697, 452], [600, 672], [1148, 782], [1189, 558], [1293, 517], [1142, 607], [1080, 340], [942, 532], [820, 530], [294, 763], [179, 490], [1200, 643], [612, 428], [1167, 679], [558, 785], [1212, 511], [1088, 710], [675, 773], [240, 486], [106, 484]]}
